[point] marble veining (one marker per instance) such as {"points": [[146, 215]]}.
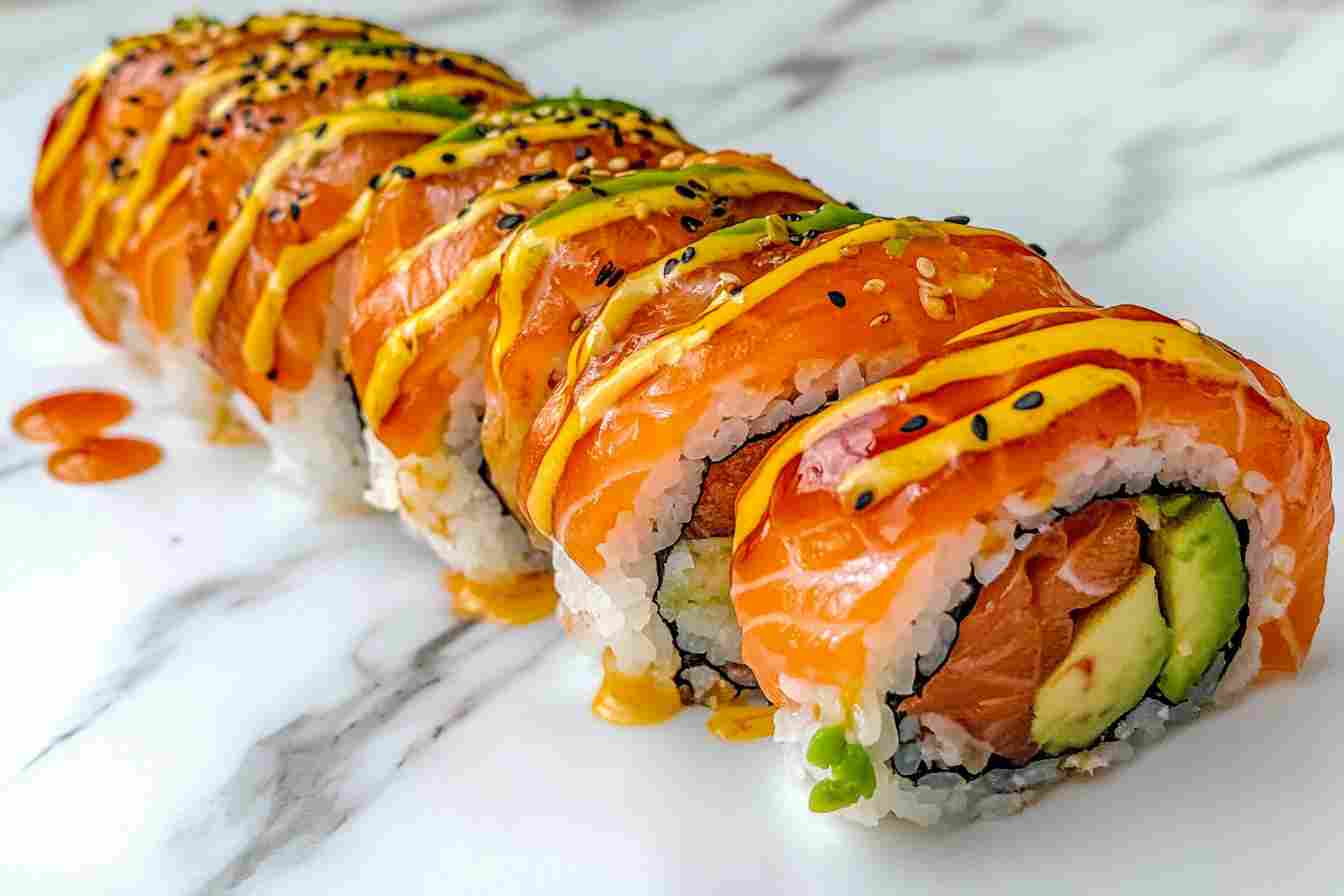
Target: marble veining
{"points": [[214, 686]]}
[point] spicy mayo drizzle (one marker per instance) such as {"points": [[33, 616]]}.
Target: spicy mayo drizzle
{"points": [[73, 421], [519, 601]]}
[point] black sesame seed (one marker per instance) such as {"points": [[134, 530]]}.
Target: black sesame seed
{"points": [[582, 153], [520, 142], [598, 191], [980, 426], [735, 289], [405, 171], [402, 78], [294, 210], [812, 234], [796, 239], [696, 185], [1029, 401], [639, 164], [915, 423], [131, 132], [446, 64], [863, 500], [322, 87], [167, 70], [275, 214], [645, 133], [133, 100], [276, 119], [687, 254], [607, 270], [691, 225], [958, 219], [837, 298], [669, 266], [319, 131], [1037, 248], [792, 217], [212, 226], [375, 182], [448, 158], [361, 81], [616, 277], [273, 374], [203, 152], [508, 222], [216, 132], [852, 205], [683, 190], [717, 211]]}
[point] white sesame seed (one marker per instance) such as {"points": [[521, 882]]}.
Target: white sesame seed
{"points": [[543, 159], [620, 163], [500, 184], [576, 325], [1189, 325], [509, 208], [600, 172], [564, 188], [925, 267], [849, 251], [574, 169], [875, 285], [672, 159], [641, 211], [729, 279], [707, 160], [879, 320]]}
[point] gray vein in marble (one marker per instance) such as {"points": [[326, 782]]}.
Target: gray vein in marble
{"points": [[303, 782], [816, 73], [163, 631], [1151, 182], [1291, 156], [13, 230]]}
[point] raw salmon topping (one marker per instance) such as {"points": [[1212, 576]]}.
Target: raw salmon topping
{"points": [[1022, 625]]}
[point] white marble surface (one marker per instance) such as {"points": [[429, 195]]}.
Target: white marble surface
{"points": [[212, 686]]}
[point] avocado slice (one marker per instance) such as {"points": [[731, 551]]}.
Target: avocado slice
{"points": [[705, 581], [1119, 648], [1202, 583]]}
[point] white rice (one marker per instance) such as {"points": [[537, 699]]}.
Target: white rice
{"points": [[616, 609], [443, 500], [1172, 456]]}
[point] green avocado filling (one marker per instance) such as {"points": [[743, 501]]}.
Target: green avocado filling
{"points": [[399, 99], [1164, 628], [479, 128], [632, 183]]}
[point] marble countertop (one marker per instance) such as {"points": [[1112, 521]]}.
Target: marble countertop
{"points": [[213, 686]]}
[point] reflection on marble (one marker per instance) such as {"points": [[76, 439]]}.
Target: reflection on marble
{"points": [[214, 686]]}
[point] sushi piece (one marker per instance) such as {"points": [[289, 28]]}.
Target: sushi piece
{"points": [[433, 236], [280, 166], [687, 372], [108, 139], [1024, 556]]}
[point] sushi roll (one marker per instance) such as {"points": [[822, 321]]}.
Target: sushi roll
{"points": [[1026, 555], [684, 376], [431, 247], [257, 140], [559, 268]]}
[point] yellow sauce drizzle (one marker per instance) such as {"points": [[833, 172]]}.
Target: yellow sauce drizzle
{"points": [[296, 262], [643, 699], [669, 349], [1132, 339], [535, 243], [519, 601], [301, 147], [738, 723], [401, 347], [154, 211], [95, 75], [1065, 391], [82, 235]]}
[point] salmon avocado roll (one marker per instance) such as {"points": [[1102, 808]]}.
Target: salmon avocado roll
{"points": [[1026, 556], [688, 371]]}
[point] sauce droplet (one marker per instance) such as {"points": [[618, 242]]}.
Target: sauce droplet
{"points": [[741, 722], [642, 699], [67, 418], [518, 601], [103, 460]]}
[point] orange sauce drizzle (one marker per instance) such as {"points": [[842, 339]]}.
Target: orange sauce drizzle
{"points": [[73, 421], [100, 459], [740, 722], [519, 601], [68, 418], [644, 699]]}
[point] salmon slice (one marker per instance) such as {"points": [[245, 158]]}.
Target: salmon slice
{"points": [[1022, 625]]}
